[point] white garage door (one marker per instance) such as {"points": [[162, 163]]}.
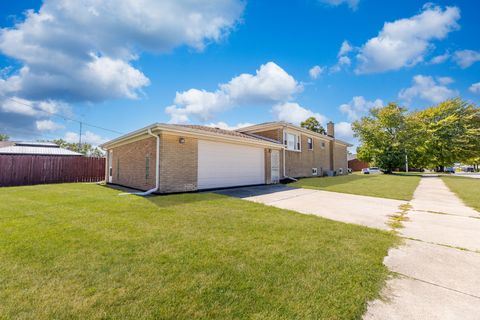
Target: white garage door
{"points": [[227, 165]]}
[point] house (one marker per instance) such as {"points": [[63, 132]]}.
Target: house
{"points": [[167, 158], [35, 148], [355, 164]]}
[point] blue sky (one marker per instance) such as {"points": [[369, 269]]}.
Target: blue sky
{"points": [[122, 66]]}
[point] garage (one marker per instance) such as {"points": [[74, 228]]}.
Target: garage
{"points": [[227, 164]]}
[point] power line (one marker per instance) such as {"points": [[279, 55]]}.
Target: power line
{"points": [[63, 117]]}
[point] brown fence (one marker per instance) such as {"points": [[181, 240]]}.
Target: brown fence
{"points": [[19, 170]]}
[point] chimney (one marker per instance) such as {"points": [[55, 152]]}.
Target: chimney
{"points": [[331, 129]]}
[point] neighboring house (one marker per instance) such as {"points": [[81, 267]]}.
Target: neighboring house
{"points": [[168, 158], [35, 148], [356, 164]]}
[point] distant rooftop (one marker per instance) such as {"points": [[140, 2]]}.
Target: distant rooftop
{"points": [[35, 148]]}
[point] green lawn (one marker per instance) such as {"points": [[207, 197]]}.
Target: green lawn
{"points": [[392, 186], [80, 251], [468, 189]]}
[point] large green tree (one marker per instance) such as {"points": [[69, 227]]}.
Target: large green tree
{"points": [[384, 137], [450, 133], [4, 137], [313, 124]]}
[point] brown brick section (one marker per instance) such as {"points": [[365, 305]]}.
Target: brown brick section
{"points": [[178, 164], [129, 164], [300, 164], [357, 165]]}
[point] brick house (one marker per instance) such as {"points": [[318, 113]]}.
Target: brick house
{"points": [[167, 158], [355, 164]]}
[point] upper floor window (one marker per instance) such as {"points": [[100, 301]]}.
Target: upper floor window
{"points": [[310, 143], [292, 141], [323, 145]]}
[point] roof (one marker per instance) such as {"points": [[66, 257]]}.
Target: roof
{"points": [[351, 156], [274, 124], [194, 130], [227, 132], [37, 148]]}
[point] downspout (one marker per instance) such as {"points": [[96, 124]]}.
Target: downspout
{"points": [[157, 171]]}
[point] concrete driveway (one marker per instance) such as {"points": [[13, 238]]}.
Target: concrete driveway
{"points": [[367, 211], [435, 273]]}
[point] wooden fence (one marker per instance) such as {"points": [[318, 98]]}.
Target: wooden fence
{"points": [[19, 170]]}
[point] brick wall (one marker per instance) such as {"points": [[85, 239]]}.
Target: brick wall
{"points": [[129, 164], [340, 158], [178, 164]]}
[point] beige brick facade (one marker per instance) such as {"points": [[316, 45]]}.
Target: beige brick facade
{"points": [[340, 159], [178, 164], [133, 164]]}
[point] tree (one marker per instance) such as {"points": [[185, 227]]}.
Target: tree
{"points": [[84, 148], [384, 137], [4, 137], [450, 133], [313, 124]]}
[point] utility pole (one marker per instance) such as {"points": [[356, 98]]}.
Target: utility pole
{"points": [[80, 137]]}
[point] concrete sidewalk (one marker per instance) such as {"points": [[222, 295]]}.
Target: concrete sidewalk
{"points": [[433, 279]]}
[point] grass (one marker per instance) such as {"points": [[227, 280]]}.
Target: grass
{"points": [[467, 189], [80, 251], [392, 186]]}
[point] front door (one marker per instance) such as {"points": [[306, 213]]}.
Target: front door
{"points": [[275, 165]]}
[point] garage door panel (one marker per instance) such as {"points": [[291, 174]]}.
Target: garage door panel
{"points": [[225, 165]]}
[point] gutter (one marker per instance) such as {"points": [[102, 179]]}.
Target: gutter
{"points": [[157, 170]]}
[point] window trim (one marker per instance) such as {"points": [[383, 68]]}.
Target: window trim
{"points": [[297, 141], [310, 145]]}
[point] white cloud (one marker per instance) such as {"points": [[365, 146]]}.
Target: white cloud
{"points": [[358, 107], [31, 108], [48, 125], [344, 49], [343, 131], [344, 61], [294, 113], [475, 88], [225, 126], [445, 80], [87, 137], [316, 71], [440, 58], [465, 58], [353, 4], [405, 42], [427, 88], [270, 84], [83, 50]]}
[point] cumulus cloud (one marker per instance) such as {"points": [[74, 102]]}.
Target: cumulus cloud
{"points": [[405, 42], [87, 137], [345, 48], [428, 88], [48, 125], [270, 84], [83, 50], [353, 4], [475, 88], [358, 107], [225, 126], [315, 72], [440, 58], [465, 58], [294, 113]]}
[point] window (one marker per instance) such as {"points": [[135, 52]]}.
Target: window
{"points": [[323, 145], [292, 141], [310, 143]]}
